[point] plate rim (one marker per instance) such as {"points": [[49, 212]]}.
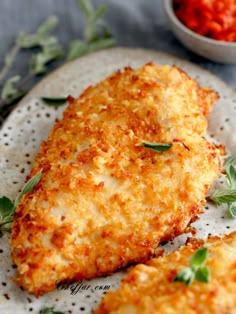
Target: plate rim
{"points": [[119, 49]]}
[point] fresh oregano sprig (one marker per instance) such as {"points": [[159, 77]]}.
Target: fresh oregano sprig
{"points": [[196, 270], [7, 207], [227, 196]]}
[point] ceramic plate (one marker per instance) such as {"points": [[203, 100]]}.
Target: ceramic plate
{"points": [[29, 125]]}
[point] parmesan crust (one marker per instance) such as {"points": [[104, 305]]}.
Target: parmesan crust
{"points": [[150, 288], [104, 201]]}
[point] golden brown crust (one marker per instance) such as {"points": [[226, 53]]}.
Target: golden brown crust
{"points": [[150, 288], [104, 201]]}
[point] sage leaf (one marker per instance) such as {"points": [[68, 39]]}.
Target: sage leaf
{"points": [[96, 35], [227, 196], [223, 196], [10, 90], [48, 25], [93, 40], [6, 207], [48, 54], [86, 7], [28, 187], [25, 40], [231, 160], [231, 176], [232, 210], [99, 13], [157, 147], [79, 48], [101, 43], [54, 101]]}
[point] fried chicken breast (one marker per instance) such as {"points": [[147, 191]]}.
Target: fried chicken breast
{"points": [[104, 200], [150, 288]]}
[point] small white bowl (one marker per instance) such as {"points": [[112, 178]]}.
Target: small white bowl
{"points": [[215, 50]]}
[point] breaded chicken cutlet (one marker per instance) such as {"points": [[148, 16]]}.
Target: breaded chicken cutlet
{"points": [[105, 201], [150, 288]]}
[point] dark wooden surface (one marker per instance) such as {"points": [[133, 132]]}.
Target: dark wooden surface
{"points": [[134, 23]]}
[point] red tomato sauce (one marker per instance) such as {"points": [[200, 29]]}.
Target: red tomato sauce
{"points": [[215, 19]]}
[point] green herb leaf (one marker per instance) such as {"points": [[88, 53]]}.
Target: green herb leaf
{"points": [[230, 161], [6, 214], [228, 196], [86, 7], [223, 196], [28, 187], [50, 48], [101, 43], [232, 210], [6, 207], [96, 35], [48, 26], [25, 40], [157, 147], [186, 275], [93, 18], [10, 91], [49, 53], [50, 310], [231, 176], [54, 101], [199, 257], [99, 13], [91, 29], [202, 274], [79, 48]]}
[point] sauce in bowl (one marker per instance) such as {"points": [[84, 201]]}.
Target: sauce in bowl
{"points": [[215, 19]]}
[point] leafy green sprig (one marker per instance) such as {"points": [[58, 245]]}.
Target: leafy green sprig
{"points": [[8, 208], [48, 50], [96, 35], [227, 196], [196, 270]]}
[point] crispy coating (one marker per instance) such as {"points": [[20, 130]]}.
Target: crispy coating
{"points": [[150, 288], [104, 201]]}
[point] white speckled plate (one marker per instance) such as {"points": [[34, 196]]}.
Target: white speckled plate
{"points": [[29, 125]]}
